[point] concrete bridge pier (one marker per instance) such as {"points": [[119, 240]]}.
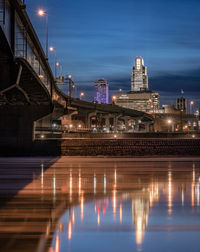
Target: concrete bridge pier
{"points": [[137, 125], [89, 116], [17, 127], [126, 122], [67, 119], [115, 122], [47, 120], [147, 126], [107, 122]]}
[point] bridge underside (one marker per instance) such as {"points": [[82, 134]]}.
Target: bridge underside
{"points": [[23, 99]]}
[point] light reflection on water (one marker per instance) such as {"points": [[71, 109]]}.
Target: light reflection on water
{"points": [[99, 204], [131, 211]]}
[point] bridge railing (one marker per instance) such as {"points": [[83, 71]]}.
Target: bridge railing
{"points": [[23, 34], [24, 43], [24, 47]]}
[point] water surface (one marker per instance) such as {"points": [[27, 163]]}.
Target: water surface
{"points": [[100, 204]]}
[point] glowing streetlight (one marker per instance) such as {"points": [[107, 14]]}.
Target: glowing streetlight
{"points": [[114, 99], [169, 121], [52, 49], [42, 13], [191, 104], [81, 94]]}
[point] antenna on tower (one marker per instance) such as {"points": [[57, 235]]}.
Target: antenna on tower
{"points": [[182, 92]]}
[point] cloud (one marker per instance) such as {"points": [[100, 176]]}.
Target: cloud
{"points": [[188, 81]]}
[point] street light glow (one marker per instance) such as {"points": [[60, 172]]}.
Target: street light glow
{"points": [[169, 121], [51, 48], [41, 12]]}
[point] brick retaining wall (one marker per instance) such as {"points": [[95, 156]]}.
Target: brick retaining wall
{"points": [[117, 147]]}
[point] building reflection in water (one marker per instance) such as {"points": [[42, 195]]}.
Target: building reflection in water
{"points": [[114, 204], [54, 188], [140, 213], [169, 192], [95, 183], [120, 212], [104, 183], [79, 182], [70, 185], [42, 176]]}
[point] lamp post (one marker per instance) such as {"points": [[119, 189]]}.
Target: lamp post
{"points": [[52, 49], [169, 121], [60, 68], [44, 13], [191, 104], [81, 95], [69, 77], [114, 99]]}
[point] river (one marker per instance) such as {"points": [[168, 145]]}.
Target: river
{"points": [[80, 204]]}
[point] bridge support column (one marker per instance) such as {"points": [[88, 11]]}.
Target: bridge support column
{"points": [[67, 119], [126, 121], [89, 119], [107, 122], [16, 127], [147, 126], [115, 122], [137, 125]]}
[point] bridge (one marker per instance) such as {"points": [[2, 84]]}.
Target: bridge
{"points": [[29, 96]]}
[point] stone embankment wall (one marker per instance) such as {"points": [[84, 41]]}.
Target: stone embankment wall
{"points": [[118, 147], [132, 135]]}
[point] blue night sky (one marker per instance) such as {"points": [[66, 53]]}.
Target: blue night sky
{"points": [[100, 38]]}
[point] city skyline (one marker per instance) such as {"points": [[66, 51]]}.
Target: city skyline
{"points": [[106, 47]]}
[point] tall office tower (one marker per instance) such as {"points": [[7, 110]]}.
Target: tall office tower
{"points": [[181, 104], [139, 78], [101, 91]]}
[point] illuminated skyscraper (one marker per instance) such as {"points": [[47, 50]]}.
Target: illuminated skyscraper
{"points": [[101, 91], [140, 97], [139, 78]]}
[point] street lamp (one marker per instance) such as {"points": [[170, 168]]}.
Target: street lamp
{"points": [[191, 103], [114, 99], [52, 49], [42, 13], [169, 121], [69, 77], [81, 95]]}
